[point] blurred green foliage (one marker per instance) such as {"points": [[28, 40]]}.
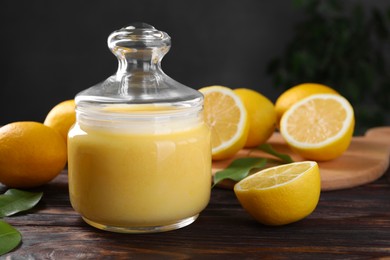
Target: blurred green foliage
{"points": [[346, 46]]}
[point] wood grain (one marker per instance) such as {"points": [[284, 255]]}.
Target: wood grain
{"points": [[366, 159], [352, 224]]}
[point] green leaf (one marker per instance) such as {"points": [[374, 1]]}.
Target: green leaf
{"points": [[239, 169], [9, 237], [268, 149], [15, 201]]}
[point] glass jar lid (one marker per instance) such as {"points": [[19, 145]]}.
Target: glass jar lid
{"points": [[139, 79]]}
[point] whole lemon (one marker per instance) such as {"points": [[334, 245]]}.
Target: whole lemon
{"points": [[31, 154], [261, 115], [297, 93], [61, 117]]}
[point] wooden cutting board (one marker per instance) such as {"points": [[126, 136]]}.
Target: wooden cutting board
{"points": [[366, 159]]}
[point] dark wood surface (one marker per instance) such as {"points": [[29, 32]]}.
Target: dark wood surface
{"points": [[352, 223]]}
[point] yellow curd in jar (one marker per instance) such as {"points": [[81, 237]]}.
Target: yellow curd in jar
{"points": [[139, 176]]}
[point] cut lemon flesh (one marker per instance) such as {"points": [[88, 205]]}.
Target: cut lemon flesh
{"points": [[227, 118], [319, 127], [282, 194], [275, 176], [297, 93]]}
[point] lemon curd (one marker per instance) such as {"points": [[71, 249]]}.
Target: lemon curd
{"points": [[144, 178]]}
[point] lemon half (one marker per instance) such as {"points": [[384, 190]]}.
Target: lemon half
{"points": [[282, 194], [297, 93], [228, 120], [319, 127]]}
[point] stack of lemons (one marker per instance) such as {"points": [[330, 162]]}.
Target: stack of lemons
{"points": [[34, 153], [315, 121]]}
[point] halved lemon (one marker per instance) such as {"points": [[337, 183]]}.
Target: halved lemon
{"points": [[228, 120], [319, 127], [297, 93], [282, 194]]}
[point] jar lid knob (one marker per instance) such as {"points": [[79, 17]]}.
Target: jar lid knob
{"points": [[136, 36]]}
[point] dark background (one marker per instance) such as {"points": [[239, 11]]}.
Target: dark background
{"points": [[51, 50]]}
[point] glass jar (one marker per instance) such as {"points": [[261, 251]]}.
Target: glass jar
{"points": [[139, 155]]}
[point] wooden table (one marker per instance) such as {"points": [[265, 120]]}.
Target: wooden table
{"points": [[352, 223]]}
